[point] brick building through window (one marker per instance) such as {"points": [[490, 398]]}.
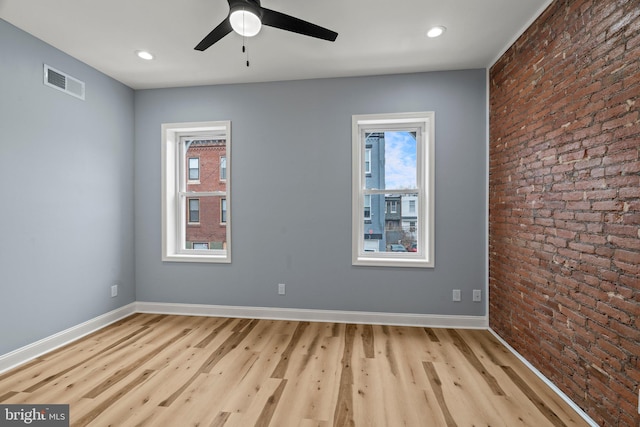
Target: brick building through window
{"points": [[206, 168]]}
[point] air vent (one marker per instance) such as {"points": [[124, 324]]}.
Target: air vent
{"points": [[63, 82]]}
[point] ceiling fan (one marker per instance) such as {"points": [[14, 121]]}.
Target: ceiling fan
{"points": [[246, 17]]}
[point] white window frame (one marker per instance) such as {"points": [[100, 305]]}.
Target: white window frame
{"points": [[423, 123], [175, 196]]}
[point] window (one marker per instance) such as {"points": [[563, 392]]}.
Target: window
{"points": [[194, 169], [223, 210], [196, 204], [401, 146], [223, 168], [367, 161], [194, 211], [367, 207]]}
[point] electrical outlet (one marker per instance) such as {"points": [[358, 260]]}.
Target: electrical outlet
{"points": [[281, 288], [456, 295], [114, 290], [477, 295]]}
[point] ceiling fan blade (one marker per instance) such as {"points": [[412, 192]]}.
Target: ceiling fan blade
{"points": [[219, 32], [290, 23]]}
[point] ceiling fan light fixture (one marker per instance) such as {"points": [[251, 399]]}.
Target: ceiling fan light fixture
{"points": [[245, 22], [436, 31]]}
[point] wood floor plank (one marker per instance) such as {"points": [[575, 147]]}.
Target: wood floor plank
{"points": [[247, 386], [251, 416], [119, 394], [285, 357], [164, 370], [137, 363], [220, 419], [344, 412], [313, 375], [473, 360], [264, 419], [436, 387]]}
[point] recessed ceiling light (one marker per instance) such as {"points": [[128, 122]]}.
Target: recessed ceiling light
{"points": [[436, 31], [144, 55]]}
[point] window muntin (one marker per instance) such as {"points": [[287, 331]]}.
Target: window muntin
{"points": [[393, 177], [193, 210]]}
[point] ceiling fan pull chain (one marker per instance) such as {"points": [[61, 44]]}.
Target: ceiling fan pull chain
{"points": [[244, 38], [245, 50]]}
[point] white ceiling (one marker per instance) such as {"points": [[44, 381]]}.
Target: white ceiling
{"points": [[375, 37]]}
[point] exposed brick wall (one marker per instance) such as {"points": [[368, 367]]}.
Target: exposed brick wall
{"points": [[564, 220]]}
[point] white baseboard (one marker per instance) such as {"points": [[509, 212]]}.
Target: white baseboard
{"points": [[45, 345], [275, 313], [546, 380]]}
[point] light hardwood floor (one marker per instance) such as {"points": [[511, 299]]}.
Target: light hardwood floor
{"points": [[161, 370]]}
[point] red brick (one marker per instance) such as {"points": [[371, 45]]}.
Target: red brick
{"points": [[613, 205], [624, 242], [627, 256]]}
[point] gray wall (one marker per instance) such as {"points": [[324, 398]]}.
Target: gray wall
{"points": [[292, 194], [66, 193]]}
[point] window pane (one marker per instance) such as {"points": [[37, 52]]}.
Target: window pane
{"points": [[400, 223], [210, 227], [393, 163], [390, 223], [207, 154]]}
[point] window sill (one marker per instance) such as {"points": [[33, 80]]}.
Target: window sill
{"points": [[219, 259], [378, 261]]}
